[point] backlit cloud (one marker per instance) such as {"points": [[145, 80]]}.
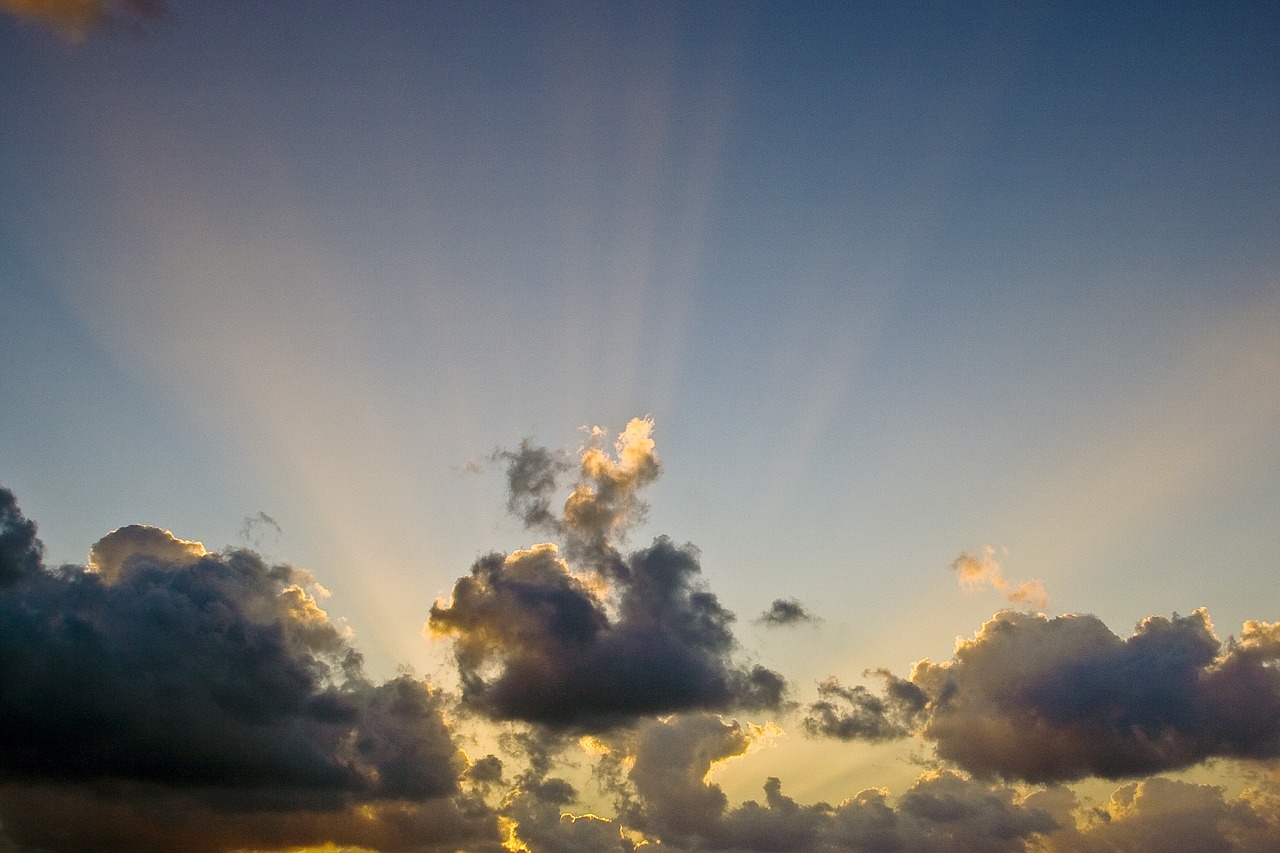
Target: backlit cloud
{"points": [[204, 701], [1054, 699], [589, 637], [983, 570]]}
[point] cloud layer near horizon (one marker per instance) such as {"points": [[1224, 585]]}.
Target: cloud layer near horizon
{"points": [[168, 697]]}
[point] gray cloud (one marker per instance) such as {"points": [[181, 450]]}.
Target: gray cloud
{"points": [[786, 611], [855, 713], [1046, 700], [589, 638], [174, 681]]}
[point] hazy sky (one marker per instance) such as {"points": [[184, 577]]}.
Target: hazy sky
{"points": [[929, 310]]}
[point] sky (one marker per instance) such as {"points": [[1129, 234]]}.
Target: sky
{"points": [[582, 427]]}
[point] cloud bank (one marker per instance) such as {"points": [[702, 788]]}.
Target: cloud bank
{"points": [[168, 697]]}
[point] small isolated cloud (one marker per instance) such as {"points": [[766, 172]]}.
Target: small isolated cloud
{"points": [[786, 611], [983, 570], [1052, 700], [587, 636], [254, 526], [76, 19]]}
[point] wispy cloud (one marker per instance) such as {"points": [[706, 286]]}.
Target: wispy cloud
{"points": [[983, 570], [1045, 699]]}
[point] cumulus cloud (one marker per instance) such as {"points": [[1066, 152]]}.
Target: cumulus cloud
{"points": [[75, 19], [1044, 700], [141, 543], [974, 571], [786, 611], [587, 637], [173, 687]]}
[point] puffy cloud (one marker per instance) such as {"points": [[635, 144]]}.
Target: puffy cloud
{"points": [[1159, 815], [786, 611], [619, 637], [1058, 699], [173, 691], [140, 543], [983, 570], [75, 19]]}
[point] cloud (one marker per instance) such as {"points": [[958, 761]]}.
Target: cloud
{"points": [[21, 554], [1172, 816], [662, 775], [1048, 700], [588, 638], [189, 692], [75, 19], [253, 523], [175, 698], [983, 570], [855, 713], [786, 611], [140, 543]]}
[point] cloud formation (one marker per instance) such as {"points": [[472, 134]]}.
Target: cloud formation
{"points": [[1055, 699], [173, 698], [786, 611], [587, 637], [172, 687], [661, 775], [983, 570], [75, 19]]}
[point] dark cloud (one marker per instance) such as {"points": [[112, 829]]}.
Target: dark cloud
{"points": [[75, 19], [21, 554], [173, 682], [786, 611], [617, 638], [855, 713], [1046, 700]]}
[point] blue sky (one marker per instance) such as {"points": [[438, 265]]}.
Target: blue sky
{"points": [[893, 283]]}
